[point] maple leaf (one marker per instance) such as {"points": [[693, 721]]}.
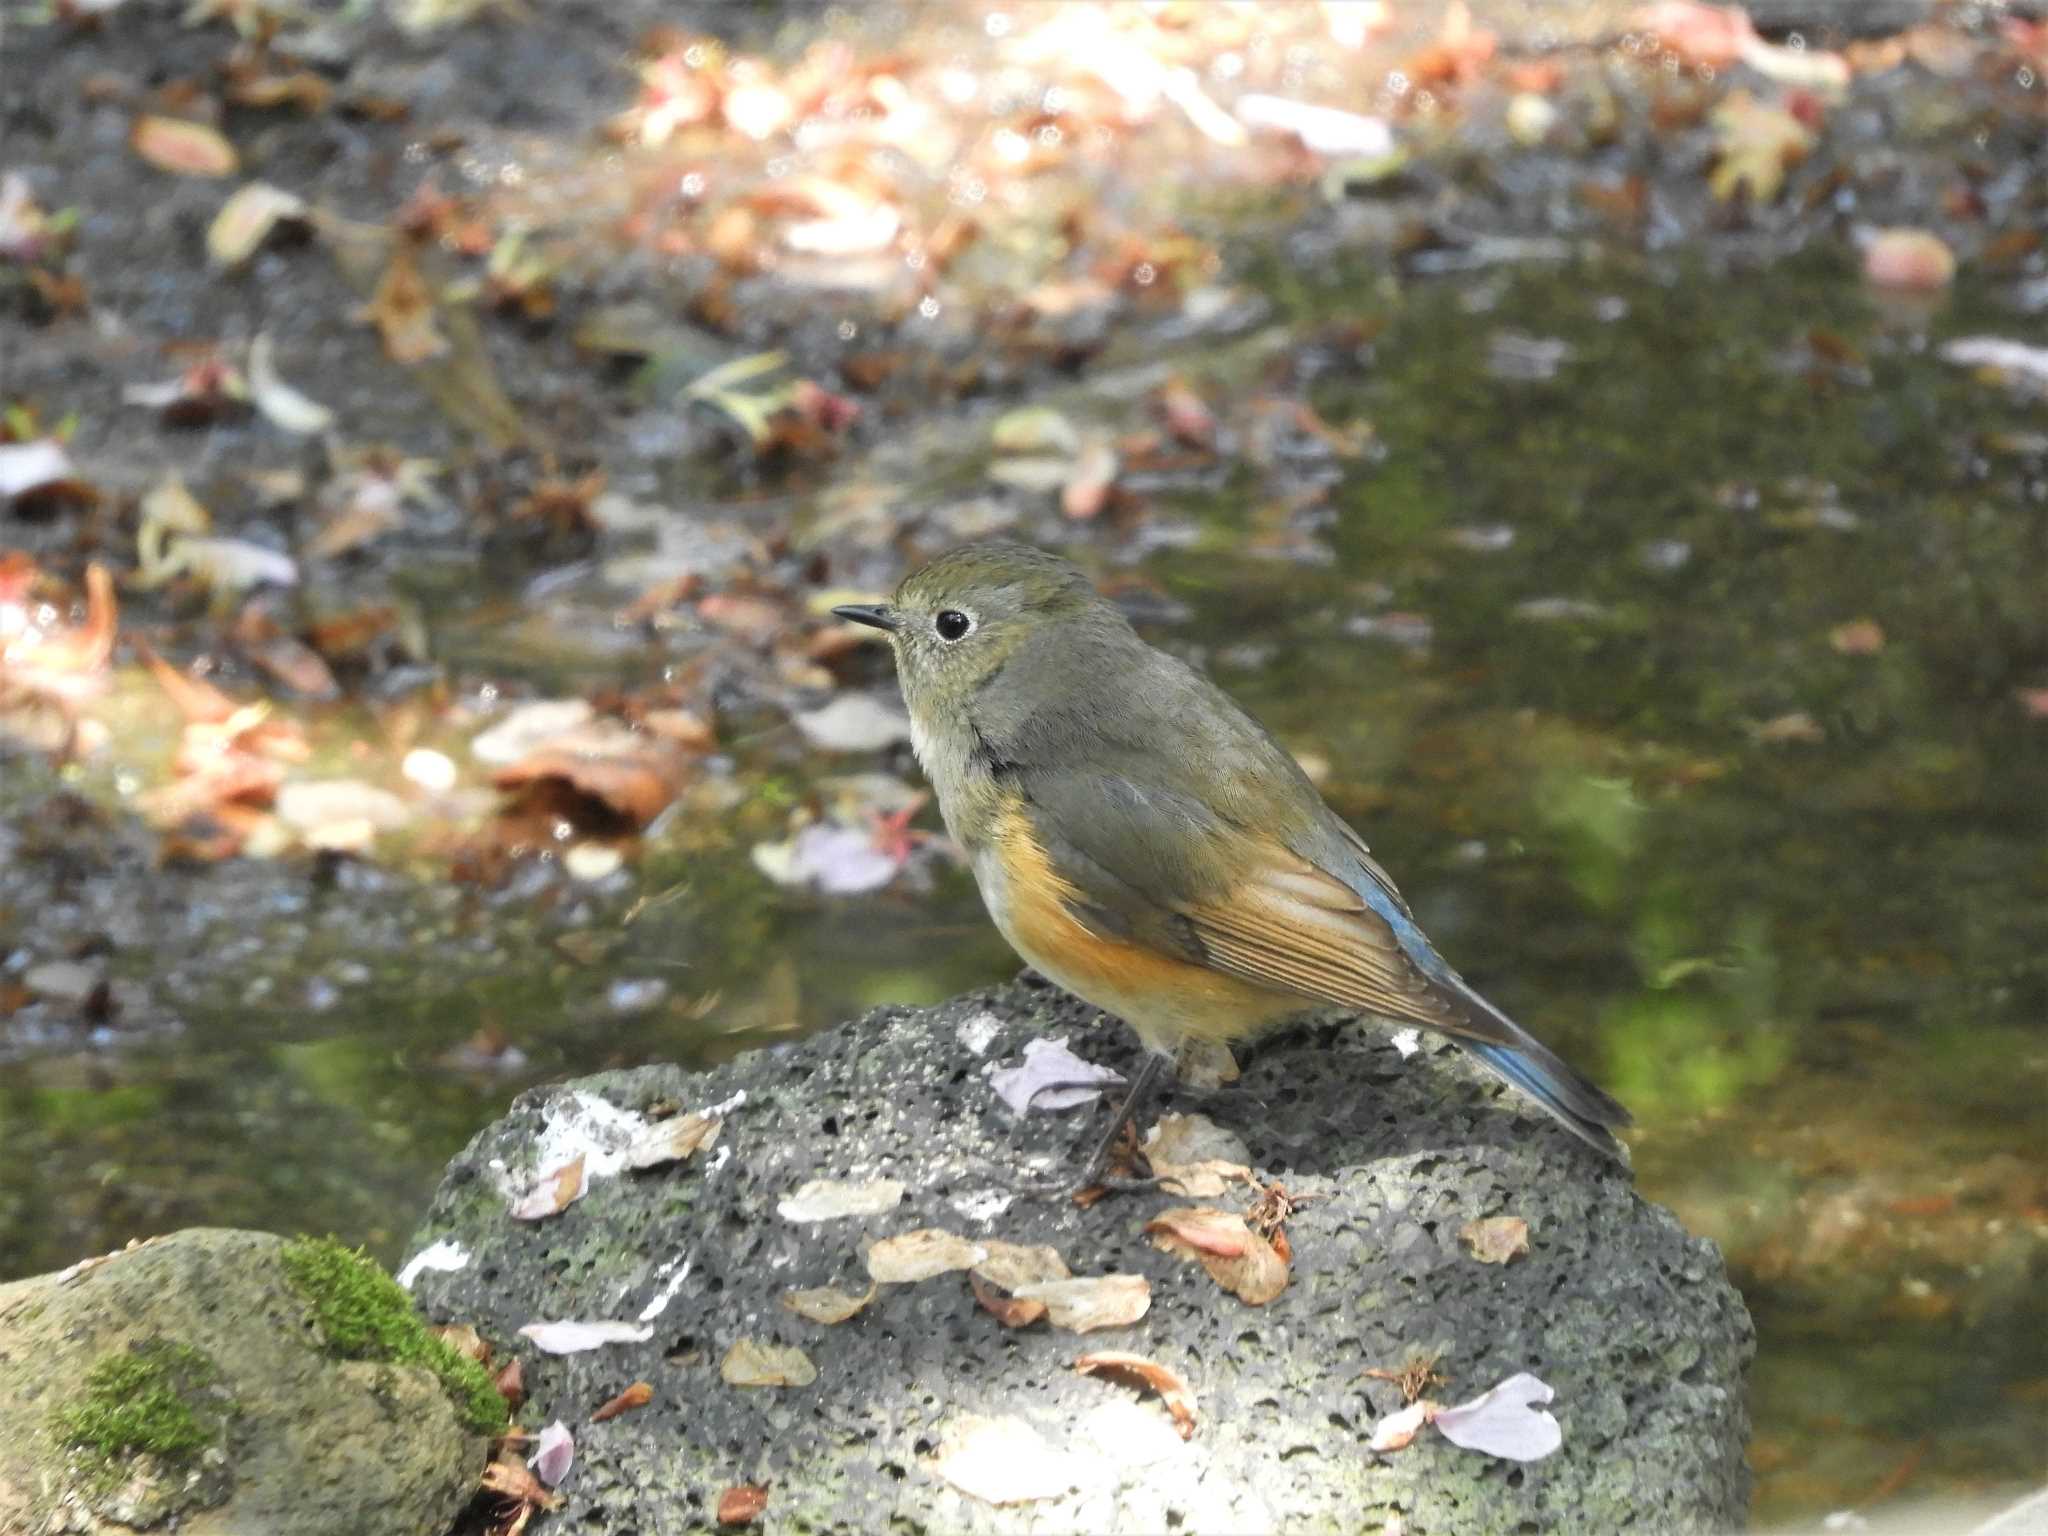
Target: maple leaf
{"points": [[1758, 144]]}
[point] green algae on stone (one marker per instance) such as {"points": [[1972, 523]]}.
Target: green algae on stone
{"points": [[364, 1314], [151, 1399]]}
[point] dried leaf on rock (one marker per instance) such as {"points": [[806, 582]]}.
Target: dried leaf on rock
{"points": [[1509, 1421], [742, 1504], [752, 1363], [510, 1382], [1171, 1386], [1005, 1269], [638, 1395], [922, 1254], [1496, 1239], [1196, 1157], [667, 1141], [1002, 1461], [919, 1255], [554, 1450], [1090, 1302], [824, 1304], [246, 219], [465, 1341], [551, 1192], [183, 148], [571, 1338], [1237, 1258], [510, 1478], [1051, 1077], [830, 1199]]}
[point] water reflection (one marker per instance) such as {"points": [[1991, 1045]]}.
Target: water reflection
{"points": [[1675, 679]]}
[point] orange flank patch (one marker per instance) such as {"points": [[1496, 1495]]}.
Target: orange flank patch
{"points": [[1161, 996]]}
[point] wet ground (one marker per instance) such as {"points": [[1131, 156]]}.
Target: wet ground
{"points": [[1656, 595]]}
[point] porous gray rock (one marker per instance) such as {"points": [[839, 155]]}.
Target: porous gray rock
{"points": [[1632, 1321], [302, 1442]]}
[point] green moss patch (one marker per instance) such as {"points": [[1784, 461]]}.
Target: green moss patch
{"points": [[152, 1398], [364, 1314]]}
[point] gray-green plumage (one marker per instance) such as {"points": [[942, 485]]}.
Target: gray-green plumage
{"points": [[1177, 822]]}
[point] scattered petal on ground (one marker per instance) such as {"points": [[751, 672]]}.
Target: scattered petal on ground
{"points": [[1051, 1077], [1508, 1421], [554, 1449], [570, 1338], [1398, 1429], [1002, 1461], [830, 1199]]}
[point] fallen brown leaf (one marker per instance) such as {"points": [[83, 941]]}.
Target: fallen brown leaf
{"points": [[1237, 1258], [1496, 1239], [402, 309], [1171, 1386], [824, 1304], [742, 1504], [638, 1395], [1005, 1268], [919, 1255], [183, 148], [752, 1363]]}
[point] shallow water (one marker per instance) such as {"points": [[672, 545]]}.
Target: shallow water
{"points": [[1550, 635]]}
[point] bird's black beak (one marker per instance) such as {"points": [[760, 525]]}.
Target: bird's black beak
{"points": [[874, 615]]}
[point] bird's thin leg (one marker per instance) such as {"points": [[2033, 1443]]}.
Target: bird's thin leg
{"points": [[1098, 1158]]}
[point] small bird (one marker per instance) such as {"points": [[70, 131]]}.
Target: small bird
{"points": [[1147, 845]]}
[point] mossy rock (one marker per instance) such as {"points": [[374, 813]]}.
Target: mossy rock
{"points": [[192, 1381]]}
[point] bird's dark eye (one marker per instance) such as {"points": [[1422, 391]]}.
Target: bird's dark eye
{"points": [[952, 624]]}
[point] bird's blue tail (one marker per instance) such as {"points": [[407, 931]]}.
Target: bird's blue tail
{"points": [[1582, 1108]]}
